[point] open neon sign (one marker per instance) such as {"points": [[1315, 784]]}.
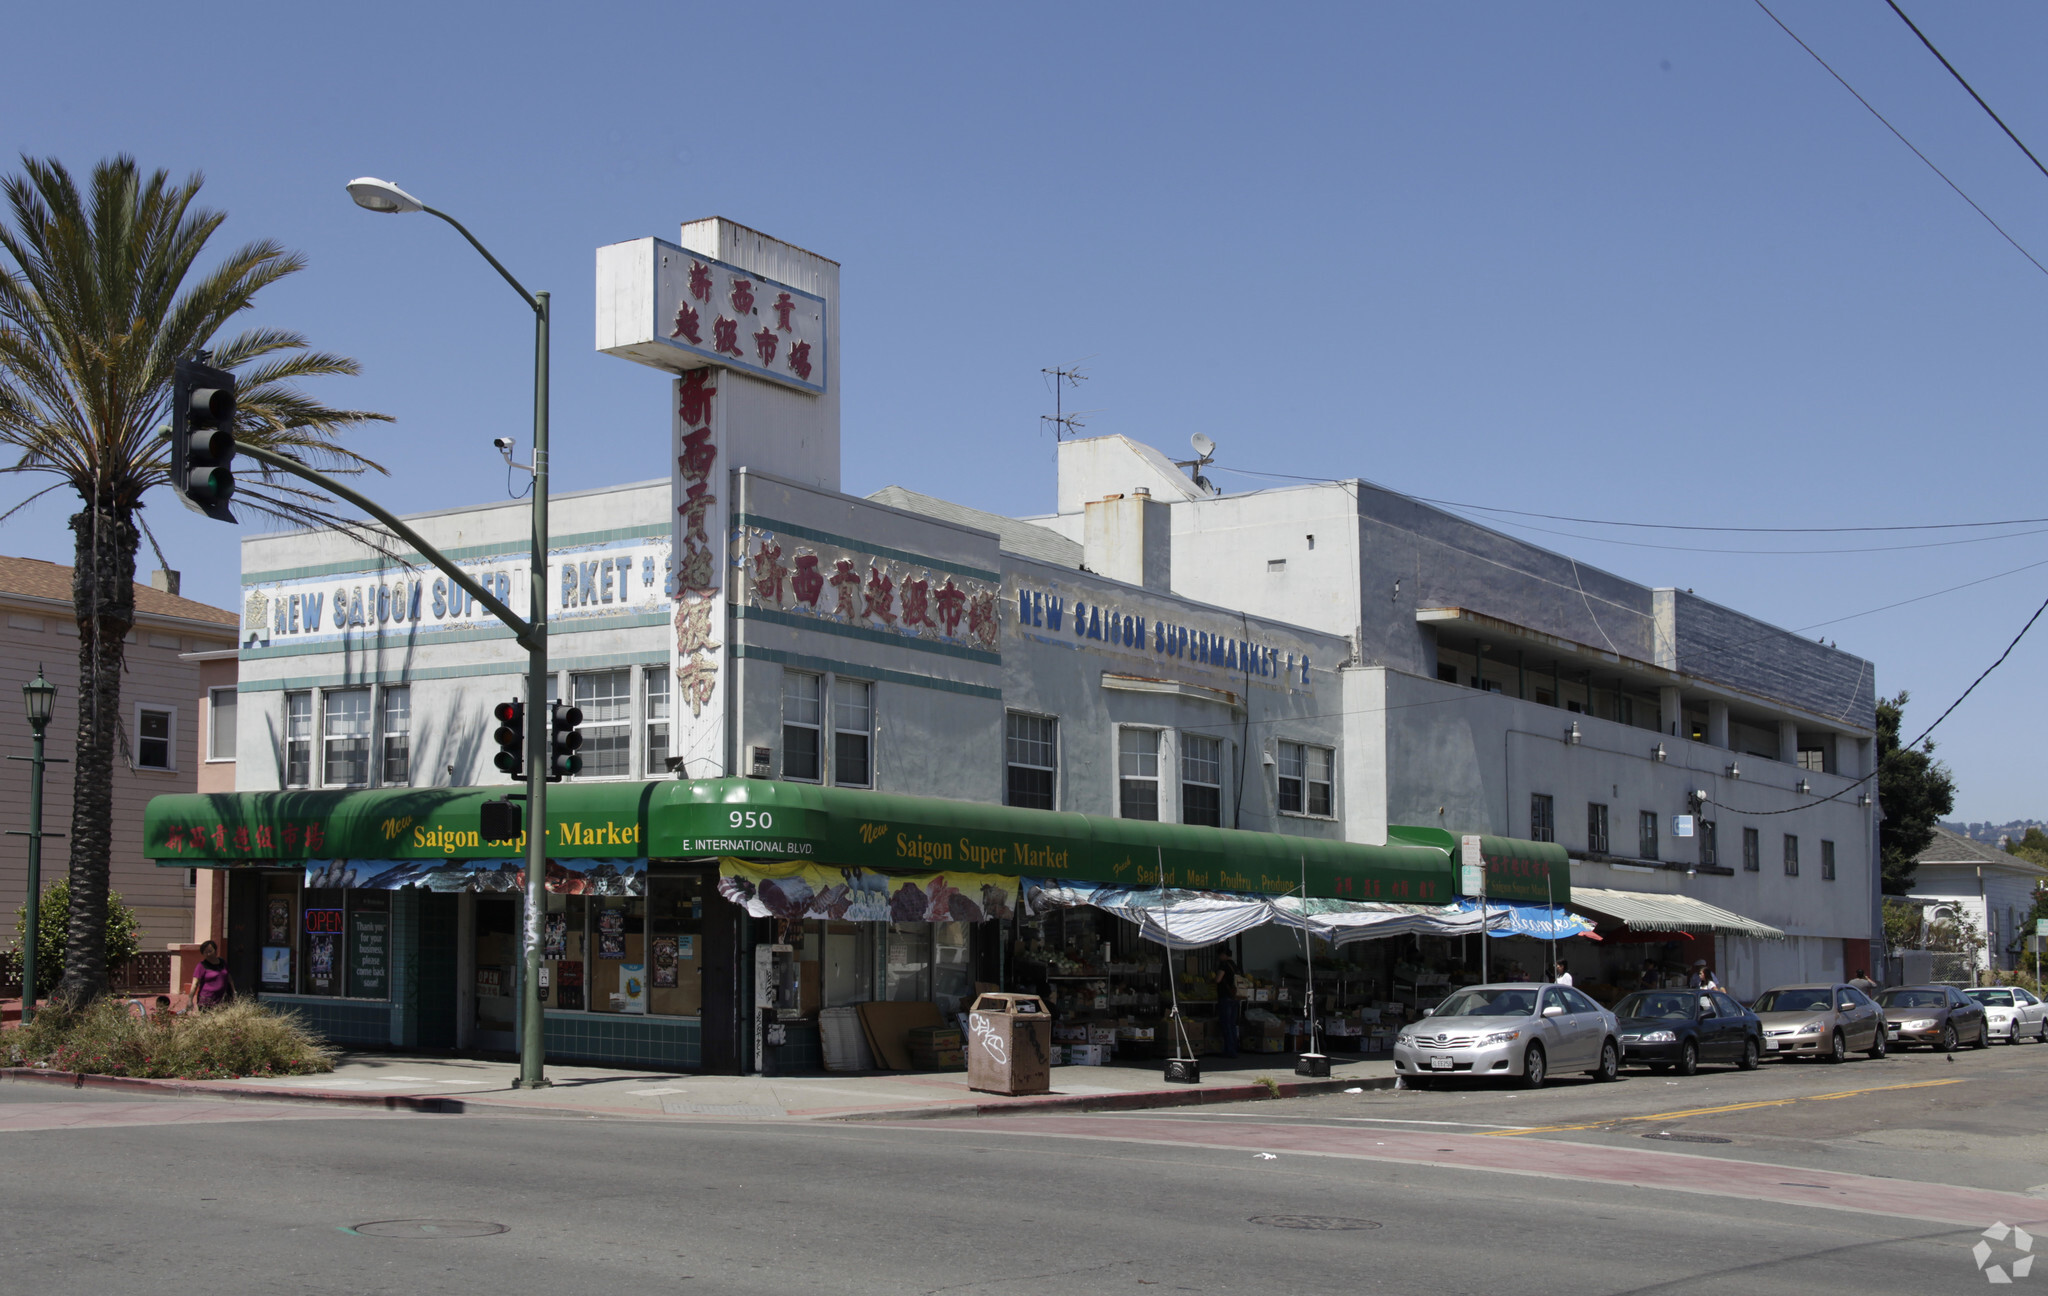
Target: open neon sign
{"points": [[323, 921]]}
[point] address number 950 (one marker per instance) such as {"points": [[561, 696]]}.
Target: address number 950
{"points": [[752, 819]]}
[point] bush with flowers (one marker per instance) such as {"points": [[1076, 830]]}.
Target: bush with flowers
{"points": [[109, 1037]]}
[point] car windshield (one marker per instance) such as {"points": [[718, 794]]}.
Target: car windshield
{"points": [[1669, 1007], [1814, 999], [1991, 998], [1913, 999], [1488, 1001]]}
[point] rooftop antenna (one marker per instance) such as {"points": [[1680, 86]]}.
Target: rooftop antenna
{"points": [[1064, 424], [1205, 454]]}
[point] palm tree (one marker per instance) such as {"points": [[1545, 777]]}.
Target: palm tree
{"points": [[100, 295]]}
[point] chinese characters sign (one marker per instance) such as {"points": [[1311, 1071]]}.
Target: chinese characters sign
{"points": [[702, 311], [892, 595], [698, 480]]}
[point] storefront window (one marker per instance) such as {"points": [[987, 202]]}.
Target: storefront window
{"points": [[907, 968], [497, 962], [618, 950], [952, 967], [675, 954], [625, 953], [324, 941]]}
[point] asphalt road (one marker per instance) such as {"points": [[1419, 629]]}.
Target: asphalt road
{"points": [[1524, 1192]]}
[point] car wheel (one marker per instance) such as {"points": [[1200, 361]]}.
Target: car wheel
{"points": [[2041, 1036], [1838, 1047], [1610, 1063], [1879, 1046], [2014, 1037], [1749, 1056], [1688, 1058], [1983, 1036], [1534, 1067], [1948, 1038]]}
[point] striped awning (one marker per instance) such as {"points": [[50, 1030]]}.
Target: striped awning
{"points": [[1652, 911]]}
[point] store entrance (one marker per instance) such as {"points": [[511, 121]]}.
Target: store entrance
{"points": [[496, 1023]]}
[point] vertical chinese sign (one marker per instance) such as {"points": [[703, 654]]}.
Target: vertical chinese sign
{"points": [[698, 709]]}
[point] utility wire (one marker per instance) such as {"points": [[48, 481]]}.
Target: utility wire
{"points": [[1902, 139], [1967, 86]]}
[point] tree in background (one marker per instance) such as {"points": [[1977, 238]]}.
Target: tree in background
{"points": [[124, 934], [101, 295], [1914, 790], [2032, 847]]}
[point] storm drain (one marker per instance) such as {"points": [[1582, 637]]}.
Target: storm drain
{"points": [[1672, 1136], [1326, 1223], [429, 1228]]}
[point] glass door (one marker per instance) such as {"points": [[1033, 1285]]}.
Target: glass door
{"points": [[497, 972]]}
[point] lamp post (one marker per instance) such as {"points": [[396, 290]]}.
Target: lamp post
{"points": [[39, 698], [383, 196]]}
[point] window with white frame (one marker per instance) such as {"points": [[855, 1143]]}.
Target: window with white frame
{"points": [[1305, 779], [657, 721], [298, 739], [1201, 780], [606, 700], [1137, 768], [220, 724], [156, 731], [345, 738], [802, 722], [1031, 760], [396, 730], [853, 733]]}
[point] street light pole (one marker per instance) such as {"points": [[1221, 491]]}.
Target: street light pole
{"points": [[39, 697], [383, 196]]}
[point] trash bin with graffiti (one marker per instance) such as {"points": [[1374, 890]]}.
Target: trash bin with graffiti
{"points": [[1009, 1044]]}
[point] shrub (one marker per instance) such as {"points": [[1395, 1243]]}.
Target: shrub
{"points": [[106, 1038], [53, 927]]}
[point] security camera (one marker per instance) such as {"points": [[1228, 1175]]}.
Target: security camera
{"points": [[504, 444]]}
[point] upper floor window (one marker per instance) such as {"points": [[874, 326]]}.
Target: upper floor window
{"points": [[345, 736], [220, 724], [1137, 767], [1646, 835], [853, 730], [397, 734], [298, 739], [802, 722], [1710, 846], [1030, 760], [1596, 828], [1305, 785], [1752, 850], [1791, 855], [1542, 818], [1201, 780], [1827, 861], [155, 738], [657, 721], [606, 700]]}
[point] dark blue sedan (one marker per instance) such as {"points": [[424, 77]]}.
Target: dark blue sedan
{"points": [[1679, 1029]]}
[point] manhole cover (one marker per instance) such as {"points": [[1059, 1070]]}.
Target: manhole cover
{"points": [[429, 1228], [1331, 1223], [1667, 1136]]}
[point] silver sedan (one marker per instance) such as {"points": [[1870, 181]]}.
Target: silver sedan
{"points": [[1522, 1031]]}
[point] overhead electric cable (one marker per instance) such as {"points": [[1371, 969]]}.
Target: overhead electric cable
{"points": [[1967, 86]]}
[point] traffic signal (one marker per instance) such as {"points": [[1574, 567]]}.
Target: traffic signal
{"points": [[203, 438], [501, 820], [563, 741], [510, 737]]}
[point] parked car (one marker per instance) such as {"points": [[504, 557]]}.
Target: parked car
{"points": [[1663, 1029], [1827, 1021], [1935, 1015], [2015, 1013], [1523, 1031]]}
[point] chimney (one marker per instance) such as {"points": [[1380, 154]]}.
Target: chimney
{"points": [[167, 581], [1130, 538]]}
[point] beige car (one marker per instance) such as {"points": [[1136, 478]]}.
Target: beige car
{"points": [[1825, 1021]]}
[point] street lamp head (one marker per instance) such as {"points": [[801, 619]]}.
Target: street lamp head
{"points": [[40, 697], [382, 196]]}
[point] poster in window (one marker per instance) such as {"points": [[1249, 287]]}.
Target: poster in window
{"points": [[664, 977], [277, 967], [320, 963], [278, 928], [611, 933], [632, 996], [554, 941], [369, 969], [569, 993]]}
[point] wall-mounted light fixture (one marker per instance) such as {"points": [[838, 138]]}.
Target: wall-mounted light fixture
{"points": [[1657, 752], [1734, 771], [1571, 735], [1863, 800], [1802, 787]]}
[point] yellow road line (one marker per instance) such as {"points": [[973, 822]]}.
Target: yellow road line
{"points": [[1715, 1111]]}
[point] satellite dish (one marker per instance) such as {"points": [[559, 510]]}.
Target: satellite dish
{"points": [[1202, 444]]}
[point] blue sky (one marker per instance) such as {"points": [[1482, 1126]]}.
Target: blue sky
{"points": [[1623, 262]]}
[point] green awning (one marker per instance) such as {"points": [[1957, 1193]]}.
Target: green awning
{"points": [[763, 820], [1516, 868]]}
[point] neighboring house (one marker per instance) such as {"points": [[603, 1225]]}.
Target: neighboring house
{"points": [[216, 709], [159, 750], [1983, 886]]}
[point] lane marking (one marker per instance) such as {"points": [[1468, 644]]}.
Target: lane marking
{"points": [[1715, 1111]]}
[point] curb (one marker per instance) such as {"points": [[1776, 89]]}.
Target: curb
{"points": [[208, 1089], [1136, 1101]]}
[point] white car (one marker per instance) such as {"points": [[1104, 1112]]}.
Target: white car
{"points": [[1524, 1031], [2012, 1014]]}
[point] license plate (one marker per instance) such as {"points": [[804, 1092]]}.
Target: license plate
{"points": [[1440, 1064], [1770, 1046]]}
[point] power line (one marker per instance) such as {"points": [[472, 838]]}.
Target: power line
{"points": [[1902, 139], [1967, 86]]}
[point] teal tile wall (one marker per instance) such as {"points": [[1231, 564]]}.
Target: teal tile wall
{"points": [[622, 1041], [802, 1049], [350, 1023]]}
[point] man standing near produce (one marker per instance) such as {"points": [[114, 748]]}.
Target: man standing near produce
{"points": [[1226, 1003]]}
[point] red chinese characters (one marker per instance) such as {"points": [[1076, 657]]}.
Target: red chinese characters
{"points": [[982, 621], [880, 597], [846, 582], [697, 681], [800, 360], [742, 296], [952, 605], [687, 325], [917, 604], [769, 572], [783, 307], [696, 503], [765, 343], [695, 404], [807, 582], [698, 456], [725, 337], [700, 281]]}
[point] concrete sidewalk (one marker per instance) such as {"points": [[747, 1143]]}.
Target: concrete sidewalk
{"points": [[411, 1082]]}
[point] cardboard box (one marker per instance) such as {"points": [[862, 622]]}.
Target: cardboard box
{"points": [[1087, 1055]]}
